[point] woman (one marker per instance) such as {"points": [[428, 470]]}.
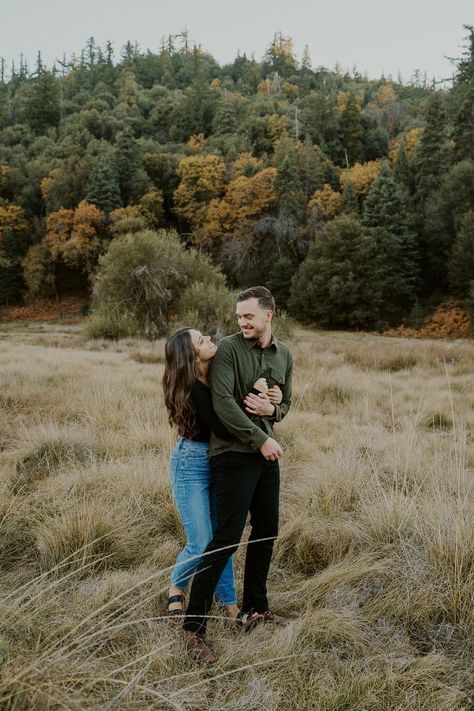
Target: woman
{"points": [[188, 399]]}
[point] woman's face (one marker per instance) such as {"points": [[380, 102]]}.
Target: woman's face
{"points": [[203, 345]]}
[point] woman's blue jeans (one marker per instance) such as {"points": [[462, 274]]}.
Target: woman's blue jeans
{"points": [[191, 486]]}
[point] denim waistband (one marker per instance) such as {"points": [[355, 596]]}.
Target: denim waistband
{"points": [[183, 444]]}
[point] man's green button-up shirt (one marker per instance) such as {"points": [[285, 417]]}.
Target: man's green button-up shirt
{"points": [[237, 365]]}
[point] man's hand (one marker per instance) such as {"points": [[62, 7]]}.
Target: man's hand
{"points": [[259, 405], [271, 450], [275, 395]]}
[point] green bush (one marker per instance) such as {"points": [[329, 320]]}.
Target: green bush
{"points": [[140, 281], [112, 326], [282, 326], [208, 308]]}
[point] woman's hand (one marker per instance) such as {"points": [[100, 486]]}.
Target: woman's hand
{"points": [[275, 395], [259, 405], [261, 385]]}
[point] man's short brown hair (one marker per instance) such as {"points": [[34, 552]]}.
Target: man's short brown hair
{"points": [[265, 298]]}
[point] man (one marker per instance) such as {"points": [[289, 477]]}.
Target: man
{"points": [[245, 468]]}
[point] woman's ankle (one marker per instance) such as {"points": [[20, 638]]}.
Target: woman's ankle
{"points": [[232, 610]]}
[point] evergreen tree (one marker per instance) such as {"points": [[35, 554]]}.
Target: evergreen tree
{"points": [[225, 118], [288, 183], [42, 106], [279, 281], [432, 156], [315, 168], [200, 106], [463, 134], [350, 201], [402, 170], [444, 211], [383, 206], [103, 189], [340, 282], [461, 263], [384, 210], [128, 159], [350, 125]]}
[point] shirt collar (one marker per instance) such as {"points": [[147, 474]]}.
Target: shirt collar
{"points": [[251, 342]]}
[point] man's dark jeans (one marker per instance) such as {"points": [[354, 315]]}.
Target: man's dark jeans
{"points": [[243, 482]]}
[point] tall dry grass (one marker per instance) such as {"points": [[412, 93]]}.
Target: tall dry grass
{"points": [[375, 558]]}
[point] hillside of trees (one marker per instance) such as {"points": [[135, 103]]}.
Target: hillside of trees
{"points": [[352, 199]]}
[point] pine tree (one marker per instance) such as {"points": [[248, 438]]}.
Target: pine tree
{"points": [[463, 133], [279, 281], [444, 211], [351, 130], [315, 168], [401, 169], [461, 263], [340, 282], [128, 160], [288, 183], [350, 201], [42, 106], [385, 211], [383, 206], [103, 188], [225, 118], [432, 157], [319, 117]]}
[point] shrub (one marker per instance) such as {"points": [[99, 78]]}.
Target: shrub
{"points": [[140, 281], [208, 308]]}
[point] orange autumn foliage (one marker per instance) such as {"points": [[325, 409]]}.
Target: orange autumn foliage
{"points": [[197, 142], [449, 320], [409, 142], [361, 175], [245, 199], [12, 218], [325, 202], [71, 235], [243, 162], [47, 182]]}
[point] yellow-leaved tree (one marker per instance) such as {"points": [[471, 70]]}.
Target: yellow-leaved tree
{"points": [[72, 235], [202, 180], [245, 199], [361, 175], [325, 202], [13, 226]]}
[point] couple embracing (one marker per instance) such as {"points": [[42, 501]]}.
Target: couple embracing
{"points": [[223, 401]]}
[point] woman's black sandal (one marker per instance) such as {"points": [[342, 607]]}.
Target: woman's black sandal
{"points": [[176, 614]]}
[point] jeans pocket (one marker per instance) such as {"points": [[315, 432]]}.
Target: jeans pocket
{"points": [[196, 452]]}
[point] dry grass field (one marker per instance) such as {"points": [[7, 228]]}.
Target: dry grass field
{"points": [[375, 559]]}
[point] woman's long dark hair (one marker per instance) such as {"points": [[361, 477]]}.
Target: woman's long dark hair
{"points": [[178, 381]]}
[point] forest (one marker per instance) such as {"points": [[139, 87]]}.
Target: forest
{"points": [[351, 198]]}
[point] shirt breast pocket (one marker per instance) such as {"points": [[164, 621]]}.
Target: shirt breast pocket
{"points": [[277, 377]]}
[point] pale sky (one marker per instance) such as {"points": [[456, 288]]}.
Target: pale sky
{"points": [[376, 35]]}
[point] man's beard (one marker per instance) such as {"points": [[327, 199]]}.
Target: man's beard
{"points": [[256, 334]]}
